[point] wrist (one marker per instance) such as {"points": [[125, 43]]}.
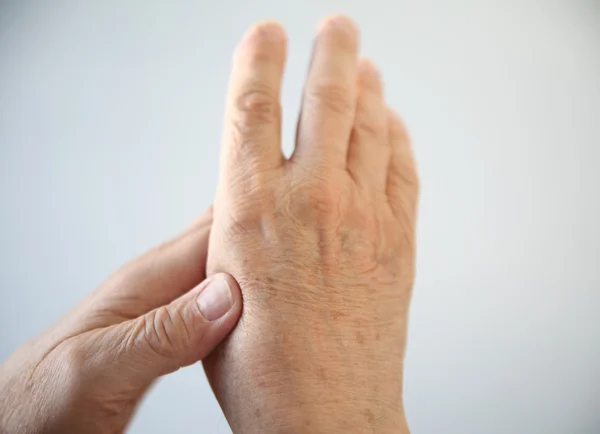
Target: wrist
{"points": [[297, 382], [336, 405], [340, 415]]}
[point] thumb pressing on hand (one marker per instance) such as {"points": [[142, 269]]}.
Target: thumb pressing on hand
{"points": [[175, 335]]}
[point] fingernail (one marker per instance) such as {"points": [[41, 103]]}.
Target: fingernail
{"points": [[215, 301]]}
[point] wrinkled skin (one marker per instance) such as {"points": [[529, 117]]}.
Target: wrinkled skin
{"points": [[88, 372], [322, 244]]}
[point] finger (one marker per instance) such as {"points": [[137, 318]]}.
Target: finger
{"points": [[329, 95], [252, 130], [154, 279], [402, 182], [369, 153], [172, 336]]}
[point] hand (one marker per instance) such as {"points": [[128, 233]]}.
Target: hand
{"points": [[153, 316], [322, 244]]}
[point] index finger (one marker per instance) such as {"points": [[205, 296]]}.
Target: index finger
{"points": [[251, 134]]}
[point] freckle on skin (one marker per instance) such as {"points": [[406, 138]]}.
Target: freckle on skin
{"points": [[337, 314], [377, 336], [369, 416], [360, 338], [322, 374]]}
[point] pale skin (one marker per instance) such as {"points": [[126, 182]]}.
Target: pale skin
{"points": [[88, 372], [321, 244]]}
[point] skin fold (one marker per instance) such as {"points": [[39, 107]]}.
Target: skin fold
{"points": [[322, 244], [319, 248]]}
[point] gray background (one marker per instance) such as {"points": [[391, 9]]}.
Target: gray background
{"points": [[110, 118]]}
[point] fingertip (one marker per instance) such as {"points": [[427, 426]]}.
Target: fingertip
{"points": [[219, 319], [226, 285], [338, 23], [267, 29], [397, 130], [368, 75], [263, 38], [338, 31], [234, 288]]}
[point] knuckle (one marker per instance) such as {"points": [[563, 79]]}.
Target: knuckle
{"points": [[157, 332], [256, 106], [315, 203], [324, 203], [368, 127], [253, 111], [332, 96]]}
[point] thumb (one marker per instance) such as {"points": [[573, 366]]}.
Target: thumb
{"points": [[178, 334]]}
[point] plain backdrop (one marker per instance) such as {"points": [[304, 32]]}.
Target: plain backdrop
{"points": [[110, 117]]}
